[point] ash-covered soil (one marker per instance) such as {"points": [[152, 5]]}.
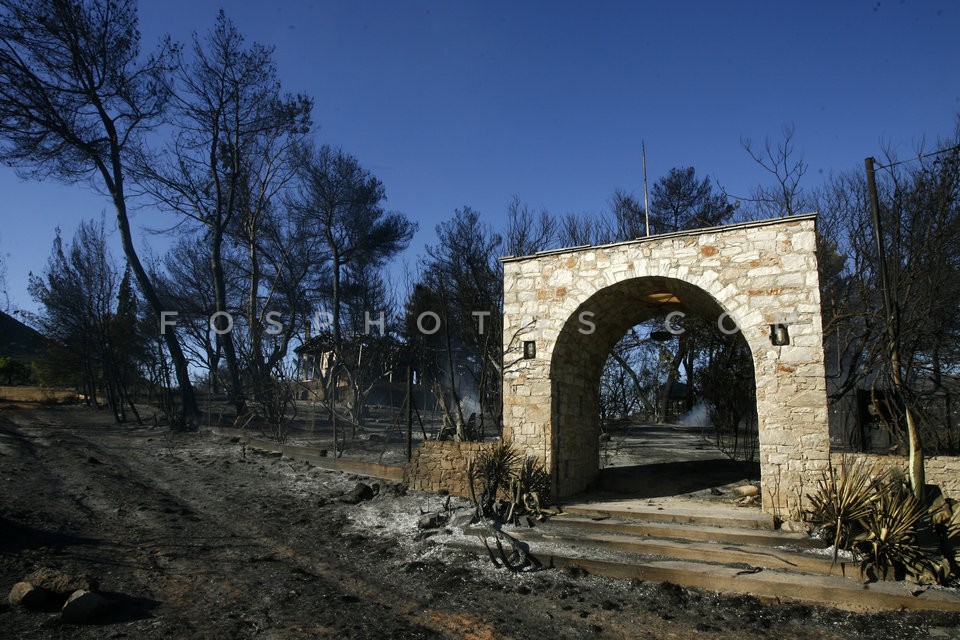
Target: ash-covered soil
{"points": [[189, 538]]}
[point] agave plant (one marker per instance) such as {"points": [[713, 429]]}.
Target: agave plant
{"points": [[842, 500], [888, 541]]}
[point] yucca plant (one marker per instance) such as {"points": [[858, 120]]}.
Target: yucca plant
{"points": [[888, 542], [881, 521], [534, 480], [493, 469], [843, 498], [505, 486], [529, 490]]}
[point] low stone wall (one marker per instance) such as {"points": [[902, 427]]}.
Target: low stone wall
{"points": [[317, 457], [442, 464], [943, 471]]}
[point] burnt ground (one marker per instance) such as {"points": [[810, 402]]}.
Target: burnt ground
{"points": [[191, 539]]}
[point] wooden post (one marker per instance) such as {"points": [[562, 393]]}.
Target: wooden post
{"points": [[409, 413]]}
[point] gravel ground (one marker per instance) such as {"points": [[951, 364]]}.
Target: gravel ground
{"points": [[189, 538]]}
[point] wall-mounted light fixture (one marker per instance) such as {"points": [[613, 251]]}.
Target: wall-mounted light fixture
{"points": [[529, 350], [779, 335]]}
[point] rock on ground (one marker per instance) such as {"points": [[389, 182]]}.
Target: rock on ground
{"points": [[83, 606], [61, 583], [794, 527], [429, 521], [462, 517], [359, 493], [30, 596], [747, 490]]}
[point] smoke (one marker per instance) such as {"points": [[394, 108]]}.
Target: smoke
{"points": [[470, 404], [467, 391], [696, 417]]}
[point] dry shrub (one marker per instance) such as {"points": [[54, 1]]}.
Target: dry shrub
{"points": [[505, 486]]}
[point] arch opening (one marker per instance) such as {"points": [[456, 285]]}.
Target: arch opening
{"points": [[689, 318]]}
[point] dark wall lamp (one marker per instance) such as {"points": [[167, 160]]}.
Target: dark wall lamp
{"points": [[779, 335], [529, 350]]}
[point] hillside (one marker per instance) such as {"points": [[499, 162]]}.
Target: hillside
{"points": [[19, 341]]}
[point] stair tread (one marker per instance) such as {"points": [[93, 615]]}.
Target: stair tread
{"points": [[713, 552], [716, 515], [685, 532]]}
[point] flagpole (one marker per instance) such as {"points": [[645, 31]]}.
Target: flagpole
{"points": [[646, 202]]}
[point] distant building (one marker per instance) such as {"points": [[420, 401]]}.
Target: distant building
{"points": [[381, 362]]}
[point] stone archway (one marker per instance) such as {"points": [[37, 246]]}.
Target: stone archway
{"points": [[574, 304]]}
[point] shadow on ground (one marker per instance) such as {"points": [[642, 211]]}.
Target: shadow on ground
{"points": [[674, 478], [18, 536]]}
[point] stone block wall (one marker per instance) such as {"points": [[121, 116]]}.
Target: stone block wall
{"points": [[943, 471], [442, 464]]}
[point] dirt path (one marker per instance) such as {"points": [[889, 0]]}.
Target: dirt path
{"points": [[192, 539]]}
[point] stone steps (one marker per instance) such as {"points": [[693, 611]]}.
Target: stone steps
{"points": [[770, 585], [739, 552]]}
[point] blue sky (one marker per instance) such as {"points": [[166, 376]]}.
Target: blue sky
{"points": [[457, 103]]}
